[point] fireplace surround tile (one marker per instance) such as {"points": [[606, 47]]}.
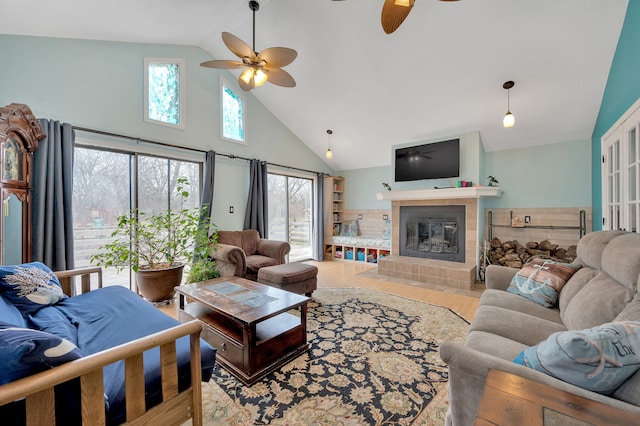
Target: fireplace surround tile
{"points": [[442, 273]]}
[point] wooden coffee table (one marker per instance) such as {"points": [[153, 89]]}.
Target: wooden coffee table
{"points": [[249, 323]]}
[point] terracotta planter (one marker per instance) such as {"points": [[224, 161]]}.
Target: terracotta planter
{"points": [[157, 285]]}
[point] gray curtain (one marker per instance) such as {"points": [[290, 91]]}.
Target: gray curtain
{"points": [[256, 216], [207, 188], [52, 242], [206, 199], [319, 219]]}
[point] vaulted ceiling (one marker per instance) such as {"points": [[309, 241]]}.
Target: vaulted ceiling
{"points": [[439, 74]]}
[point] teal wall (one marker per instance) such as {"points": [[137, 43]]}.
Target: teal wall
{"points": [[621, 91], [361, 185], [99, 85], [556, 175]]}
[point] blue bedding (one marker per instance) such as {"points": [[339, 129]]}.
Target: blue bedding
{"points": [[108, 317]]}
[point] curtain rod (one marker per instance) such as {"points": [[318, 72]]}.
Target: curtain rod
{"points": [[231, 156]]}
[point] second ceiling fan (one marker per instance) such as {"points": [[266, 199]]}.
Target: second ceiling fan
{"points": [[394, 12]]}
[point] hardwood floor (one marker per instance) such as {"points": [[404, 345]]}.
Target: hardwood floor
{"points": [[336, 274], [343, 274]]}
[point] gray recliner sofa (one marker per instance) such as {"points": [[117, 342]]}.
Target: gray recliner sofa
{"points": [[605, 289]]}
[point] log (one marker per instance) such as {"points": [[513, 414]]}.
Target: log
{"points": [[546, 245]]}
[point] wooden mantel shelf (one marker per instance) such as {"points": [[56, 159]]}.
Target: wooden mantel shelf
{"points": [[442, 193]]}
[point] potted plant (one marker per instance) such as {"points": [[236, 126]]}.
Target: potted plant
{"points": [[202, 270], [158, 245]]}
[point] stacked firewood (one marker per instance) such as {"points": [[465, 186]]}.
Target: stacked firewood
{"points": [[514, 255]]}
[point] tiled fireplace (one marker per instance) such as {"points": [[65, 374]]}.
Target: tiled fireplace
{"points": [[438, 266]]}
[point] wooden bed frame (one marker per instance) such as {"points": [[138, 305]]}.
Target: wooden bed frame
{"points": [[176, 407]]}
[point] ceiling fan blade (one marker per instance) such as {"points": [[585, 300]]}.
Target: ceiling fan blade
{"points": [[223, 64], [394, 14], [277, 57], [246, 86], [238, 47], [280, 77]]}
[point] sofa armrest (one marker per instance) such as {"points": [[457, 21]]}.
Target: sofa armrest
{"points": [[274, 249], [85, 274], [231, 260], [468, 371], [498, 277]]}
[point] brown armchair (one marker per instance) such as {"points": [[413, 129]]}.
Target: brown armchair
{"points": [[243, 253]]}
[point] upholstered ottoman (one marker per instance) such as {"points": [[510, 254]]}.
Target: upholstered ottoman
{"points": [[295, 277]]}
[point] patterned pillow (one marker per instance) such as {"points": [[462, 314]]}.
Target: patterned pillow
{"points": [[24, 351], [30, 286], [599, 359], [350, 228], [541, 280]]}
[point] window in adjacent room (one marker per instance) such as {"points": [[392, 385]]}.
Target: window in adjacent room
{"points": [[164, 91], [233, 115]]}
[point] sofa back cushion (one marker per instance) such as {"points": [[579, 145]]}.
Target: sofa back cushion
{"points": [[590, 302], [250, 240], [574, 285], [621, 260], [591, 246], [598, 302], [247, 240]]}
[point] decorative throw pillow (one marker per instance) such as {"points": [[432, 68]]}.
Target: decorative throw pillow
{"points": [[386, 232], [541, 280], [24, 351], [30, 286], [599, 359], [350, 228]]}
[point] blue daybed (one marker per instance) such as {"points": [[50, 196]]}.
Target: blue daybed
{"points": [[109, 333]]}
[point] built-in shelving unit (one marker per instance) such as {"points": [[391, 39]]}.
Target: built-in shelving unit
{"points": [[355, 253], [333, 206]]}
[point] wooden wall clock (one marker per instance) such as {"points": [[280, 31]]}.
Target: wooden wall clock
{"points": [[19, 136]]}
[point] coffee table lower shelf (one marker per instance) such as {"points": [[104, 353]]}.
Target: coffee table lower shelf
{"points": [[250, 351]]}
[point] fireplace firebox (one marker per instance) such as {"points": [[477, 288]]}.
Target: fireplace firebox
{"points": [[433, 232]]}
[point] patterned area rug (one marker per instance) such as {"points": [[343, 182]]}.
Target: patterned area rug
{"points": [[373, 360]]}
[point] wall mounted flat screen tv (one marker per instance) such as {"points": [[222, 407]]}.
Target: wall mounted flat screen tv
{"points": [[429, 161]]}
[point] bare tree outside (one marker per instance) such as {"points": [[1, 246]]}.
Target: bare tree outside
{"points": [[102, 183]]}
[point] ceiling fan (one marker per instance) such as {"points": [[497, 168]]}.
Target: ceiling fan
{"points": [[394, 12], [259, 67]]}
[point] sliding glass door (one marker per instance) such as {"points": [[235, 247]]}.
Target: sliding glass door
{"points": [[108, 184], [291, 213]]}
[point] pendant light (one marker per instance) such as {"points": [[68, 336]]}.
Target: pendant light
{"points": [[509, 120], [329, 154]]}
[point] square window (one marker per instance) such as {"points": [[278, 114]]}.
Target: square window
{"points": [[164, 92], [233, 116]]}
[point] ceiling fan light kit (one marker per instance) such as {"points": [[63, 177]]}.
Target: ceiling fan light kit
{"points": [[509, 120], [258, 67]]}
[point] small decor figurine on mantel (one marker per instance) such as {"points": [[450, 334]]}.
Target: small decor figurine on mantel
{"points": [[493, 181]]}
